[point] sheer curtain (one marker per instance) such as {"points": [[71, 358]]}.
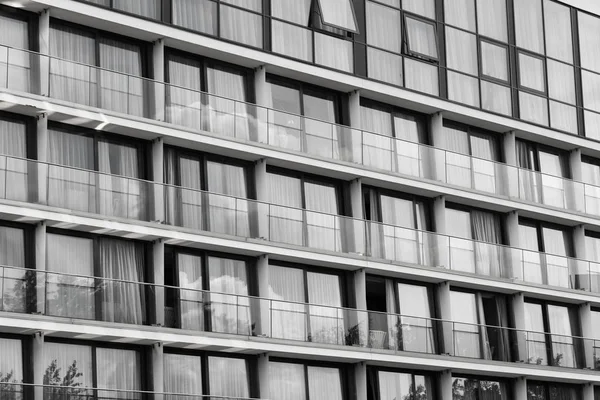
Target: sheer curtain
{"points": [[557, 246], [183, 374], [285, 210], [384, 31], [377, 147], [285, 123], [73, 76], [62, 360], [554, 188], [121, 85], [228, 377], [288, 312], [323, 226], [15, 67], [394, 385], [461, 244], [13, 282], [287, 381], [529, 25], [485, 169], [327, 323], [533, 270], [183, 202], [489, 259], [184, 97], [291, 40], [486, 346], [417, 327], [467, 335], [411, 158], [401, 240], [241, 26], [118, 369], [72, 188], [530, 185], [227, 112], [393, 319], [230, 305], [324, 383], [191, 303], [70, 296], [563, 347], [536, 340], [121, 193], [11, 362], [124, 298], [197, 15], [458, 162], [145, 8], [227, 214], [321, 133], [13, 171]]}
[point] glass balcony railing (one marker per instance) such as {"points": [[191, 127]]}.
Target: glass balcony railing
{"points": [[96, 87], [75, 296], [78, 390], [86, 191]]}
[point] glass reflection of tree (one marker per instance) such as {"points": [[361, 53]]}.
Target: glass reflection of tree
{"points": [[468, 389], [68, 387], [9, 387], [420, 393], [14, 299]]}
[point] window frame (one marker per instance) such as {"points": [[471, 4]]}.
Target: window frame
{"points": [[469, 209], [406, 39], [483, 39], [318, 5], [477, 132], [539, 147], [373, 380], [479, 379], [398, 112], [30, 131], [543, 93], [540, 225], [414, 199], [29, 242], [32, 20]]}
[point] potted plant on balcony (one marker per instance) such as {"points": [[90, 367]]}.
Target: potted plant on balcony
{"points": [[352, 337]]}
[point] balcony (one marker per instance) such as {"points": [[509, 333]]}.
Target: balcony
{"points": [[82, 297], [109, 90], [92, 192]]}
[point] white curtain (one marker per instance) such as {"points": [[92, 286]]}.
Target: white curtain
{"points": [[394, 323], [284, 120], [287, 381], [323, 225], [458, 162], [421, 37], [556, 244], [496, 98], [334, 52], [184, 99], [557, 21], [326, 323], [121, 85], [13, 281], [228, 213], [70, 296], [531, 268], [145, 8], [415, 313], [73, 76], [377, 148], [72, 188], [183, 202], [228, 377], [197, 15], [338, 13], [401, 239], [533, 108], [411, 158], [536, 340], [467, 339], [124, 298], [191, 306], [589, 40], [487, 230], [555, 187], [286, 222], [11, 362], [563, 348], [183, 374], [288, 39], [118, 369], [461, 244], [121, 194], [288, 312], [491, 18], [230, 304], [320, 129], [228, 115], [591, 178], [529, 25], [13, 171], [421, 76], [15, 65], [486, 169], [241, 26], [324, 383], [60, 360], [383, 27]]}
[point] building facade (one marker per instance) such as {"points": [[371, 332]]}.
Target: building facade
{"points": [[300, 199]]}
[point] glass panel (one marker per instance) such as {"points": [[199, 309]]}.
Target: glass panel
{"points": [[288, 316], [557, 20], [592, 124], [333, 52], [227, 117], [338, 14], [415, 332], [67, 363], [287, 381], [591, 90], [395, 385], [291, 40], [466, 332], [461, 50], [563, 349], [230, 306], [561, 81], [496, 98], [13, 136], [197, 15], [384, 66], [297, 11], [463, 88], [118, 369], [182, 374], [14, 283], [326, 324], [241, 26], [494, 61], [253, 5], [591, 176], [285, 224], [589, 41], [11, 364], [322, 227], [528, 25], [462, 252], [531, 72], [321, 137], [191, 303], [425, 8], [383, 27], [14, 32], [228, 377], [145, 8], [553, 185], [536, 341], [557, 268], [421, 76], [324, 383], [533, 108], [377, 149], [532, 264], [422, 38], [460, 13], [287, 129], [491, 18], [70, 296], [227, 215]]}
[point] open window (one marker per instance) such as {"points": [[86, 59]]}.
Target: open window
{"points": [[338, 14], [421, 38]]}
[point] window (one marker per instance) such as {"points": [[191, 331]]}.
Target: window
{"points": [[400, 315], [542, 175], [89, 366], [477, 54], [316, 134], [115, 191], [298, 381], [193, 174], [144, 8], [95, 277], [590, 171], [400, 221], [589, 28], [475, 239], [223, 109], [403, 44], [15, 282], [395, 144], [553, 266], [552, 391], [15, 40], [304, 210], [212, 292], [15, 146], [384, 384], [332, 21], [11, 366], [480, 322], [464, 388], [472, 158], [235, 20], [209, 374], [557, 346], [590, 279], [323, 321], [116, 85]]}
